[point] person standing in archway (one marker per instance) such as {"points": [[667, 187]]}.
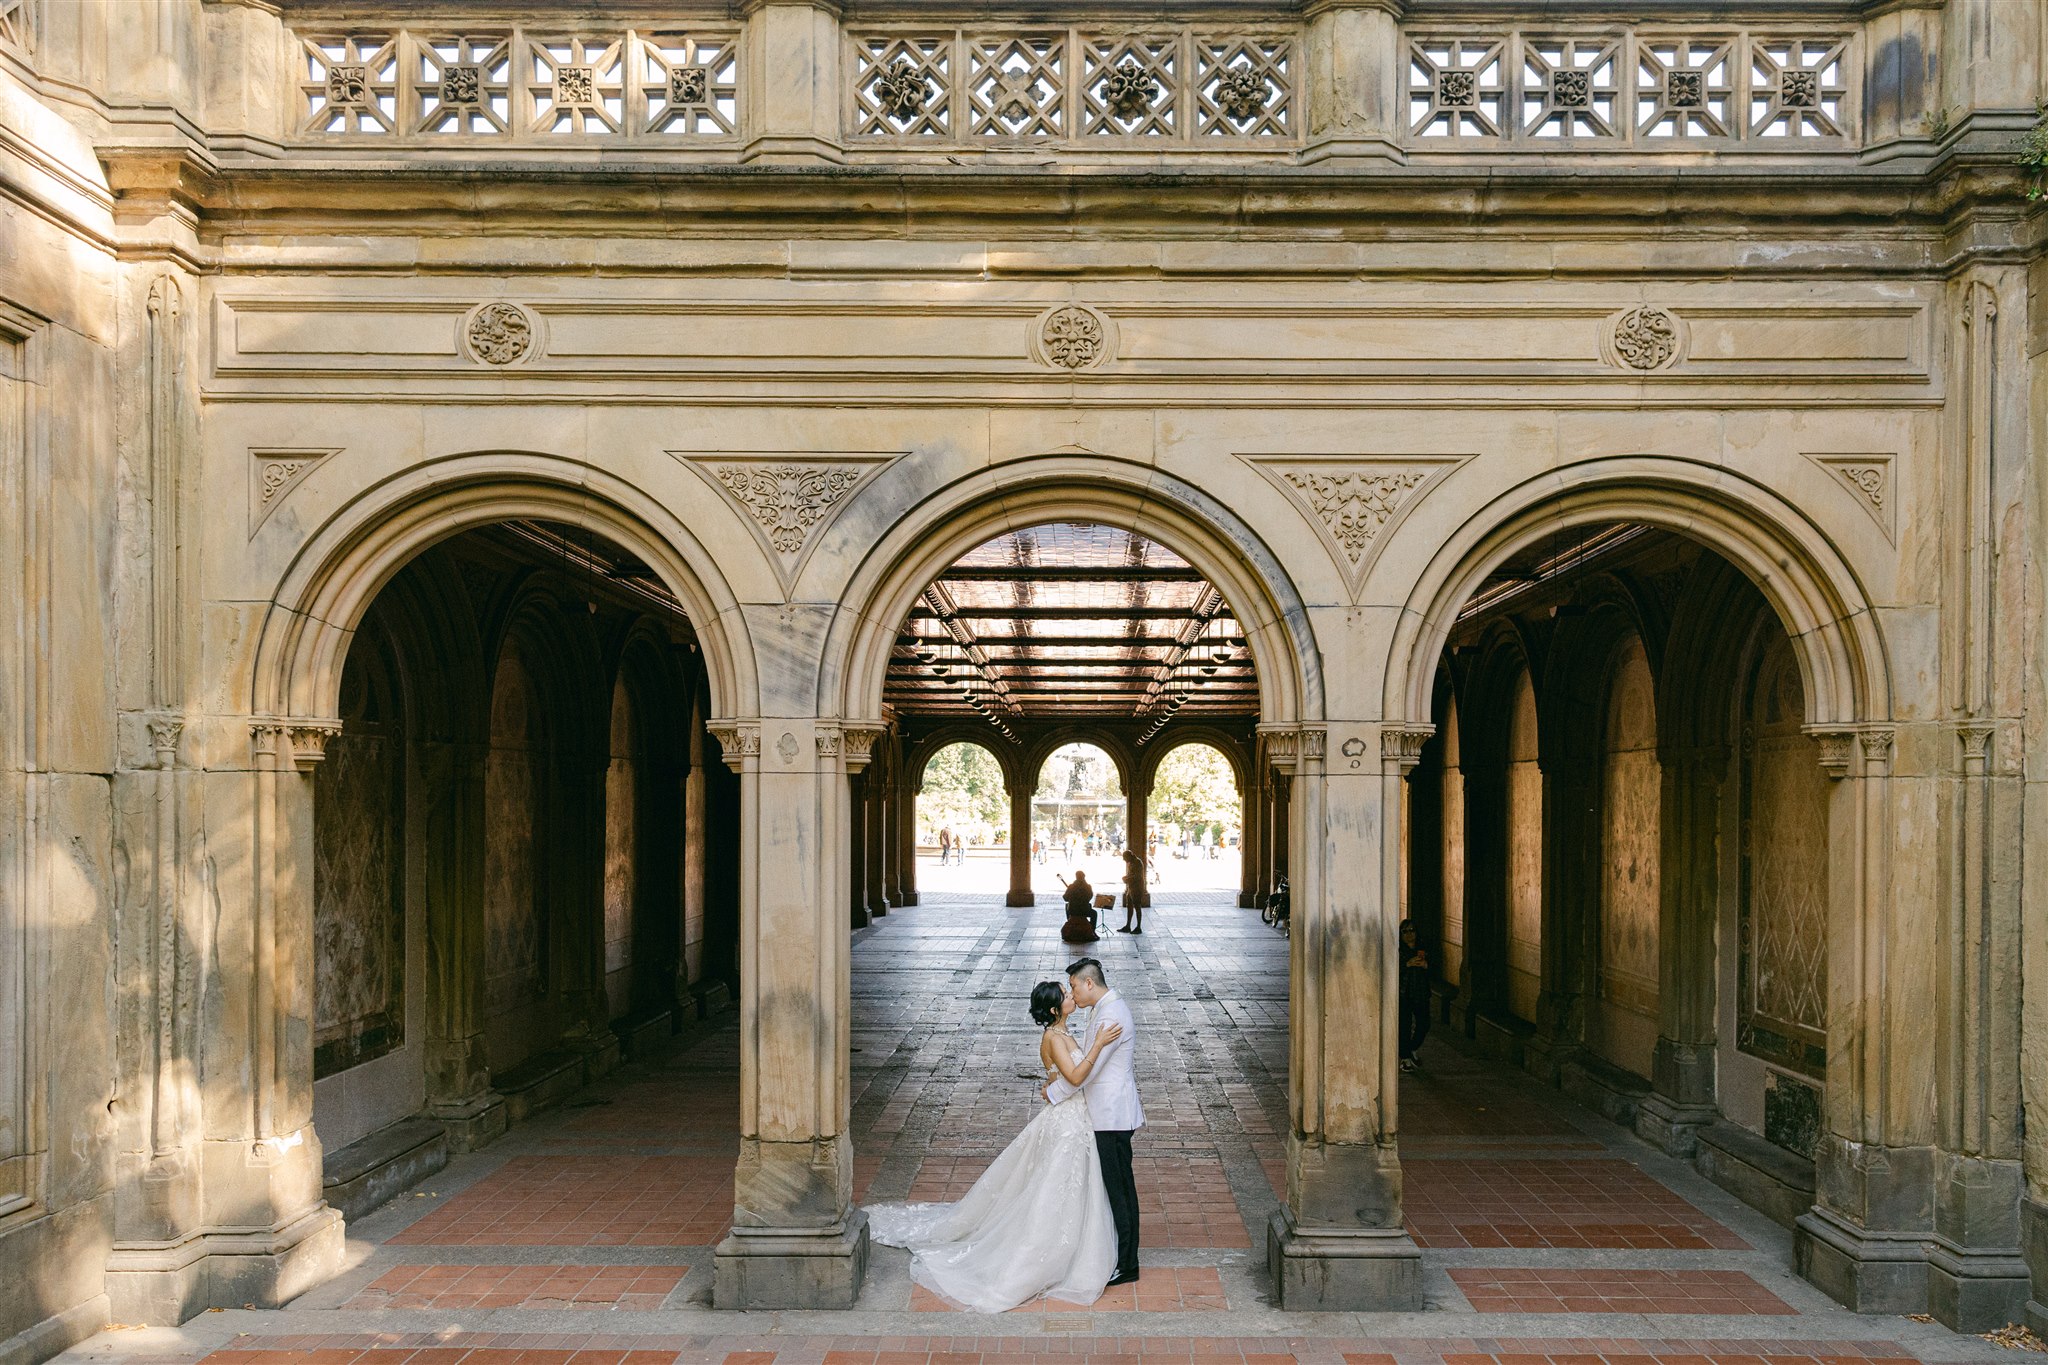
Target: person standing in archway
{"points": [[1414, 995], [1113, 1107], [1134, 892], [945, 844]]}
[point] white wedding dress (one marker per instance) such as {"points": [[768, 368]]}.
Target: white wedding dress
{"points": [[1036, 1223]]}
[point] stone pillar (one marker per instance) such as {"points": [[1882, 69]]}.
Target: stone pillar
{"points": [[260, 1230], [1338, 1244], [1250, 888], [857, 850], [1486, 889], [906, 832], [892, 829], [1864, 1239], [1571, 842], [1682, 1099], [875, 789], [1020, 894], [791, 85], [690, 963], [797, 1240], [574, 868], [459, 1094], [1135, 826], [1351, 81], [1280, 825]]}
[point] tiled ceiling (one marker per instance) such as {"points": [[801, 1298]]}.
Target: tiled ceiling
{"points": [[1072, 620]]}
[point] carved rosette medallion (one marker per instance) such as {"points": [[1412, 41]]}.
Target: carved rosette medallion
{"points": [[1644, 338], [1072, 336], [500, 334]]}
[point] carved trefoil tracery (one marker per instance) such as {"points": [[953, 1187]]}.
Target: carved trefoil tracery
{"points": [[787, 500], [273, 474], [1354, 502]]}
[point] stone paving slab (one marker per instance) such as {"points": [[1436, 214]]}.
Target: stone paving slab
{"points": [[1550, 1237]]}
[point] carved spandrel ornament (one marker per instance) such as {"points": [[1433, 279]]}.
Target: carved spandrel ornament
{"points": [[1072, 336], [1644, 338], [500, 334], [787, 501], [273, 474], [1354, 502], [1868, 479]]}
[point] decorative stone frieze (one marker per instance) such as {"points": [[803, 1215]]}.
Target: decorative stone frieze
{"points": [[500, 334], [1644, 338]]}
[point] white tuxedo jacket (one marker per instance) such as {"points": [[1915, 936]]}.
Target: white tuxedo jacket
{"points": [[1112, 1088]]}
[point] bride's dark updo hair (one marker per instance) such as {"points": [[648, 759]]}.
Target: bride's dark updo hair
{"points": [[1046, 999]]}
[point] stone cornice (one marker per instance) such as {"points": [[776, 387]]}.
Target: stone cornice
{"points": [[1160, 203]]}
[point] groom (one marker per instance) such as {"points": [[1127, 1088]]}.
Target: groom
{"points": [[1112, 1106]]}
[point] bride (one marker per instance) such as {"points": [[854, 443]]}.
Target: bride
{"points": [[1038, 1221]]}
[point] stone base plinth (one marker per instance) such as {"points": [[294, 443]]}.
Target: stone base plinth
{"points": [[1020, 900], [1869, 1272], [791, 1269], [1316, 1270], [231, 1268]]}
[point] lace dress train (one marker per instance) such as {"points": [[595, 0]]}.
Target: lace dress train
{"points": [[1036, 1223]]}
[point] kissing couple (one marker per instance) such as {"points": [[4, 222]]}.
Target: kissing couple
{"points": [[1056, 1215]]}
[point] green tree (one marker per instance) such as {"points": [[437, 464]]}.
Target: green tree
{"points": [[963, 790], [1193, 790]]}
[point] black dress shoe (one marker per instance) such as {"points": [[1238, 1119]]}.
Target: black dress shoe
{"points": [[1122, 1277]]}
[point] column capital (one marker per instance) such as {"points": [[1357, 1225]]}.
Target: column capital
{"points": [[852, 741], [1401, 746], [1839, 744], [1287, 746], [164, 732], [738, 740]]}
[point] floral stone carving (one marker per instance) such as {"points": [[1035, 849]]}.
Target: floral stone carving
{"points": [[787, 500], [1356, 506], [1073, 337], [500, 333], [1645, 338]]}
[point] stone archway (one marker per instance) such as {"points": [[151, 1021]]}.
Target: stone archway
{"points": [[1844, 1242]]}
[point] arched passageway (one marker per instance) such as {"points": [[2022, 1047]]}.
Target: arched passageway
{"points": [[1616, 851], [524, 855]]}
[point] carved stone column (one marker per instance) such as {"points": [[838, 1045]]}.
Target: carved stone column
{"points": [[892, 828], [876, 791], [575, 882], [1134, 829], [1571, 894], [264, 1232], [857, 851], [1682, 1099], [906, 833], [1250, 888], [1864, 1239], [459, 1094], [1020, 894], [1337, 1243], [797, 1240]]}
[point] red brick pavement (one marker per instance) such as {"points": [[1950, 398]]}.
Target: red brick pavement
{"points": [[1625, 1290], [520, 1286], [1161, 1289], [428, 1348], [1183, 1201], [587, 1201], [1551, 1202]]}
